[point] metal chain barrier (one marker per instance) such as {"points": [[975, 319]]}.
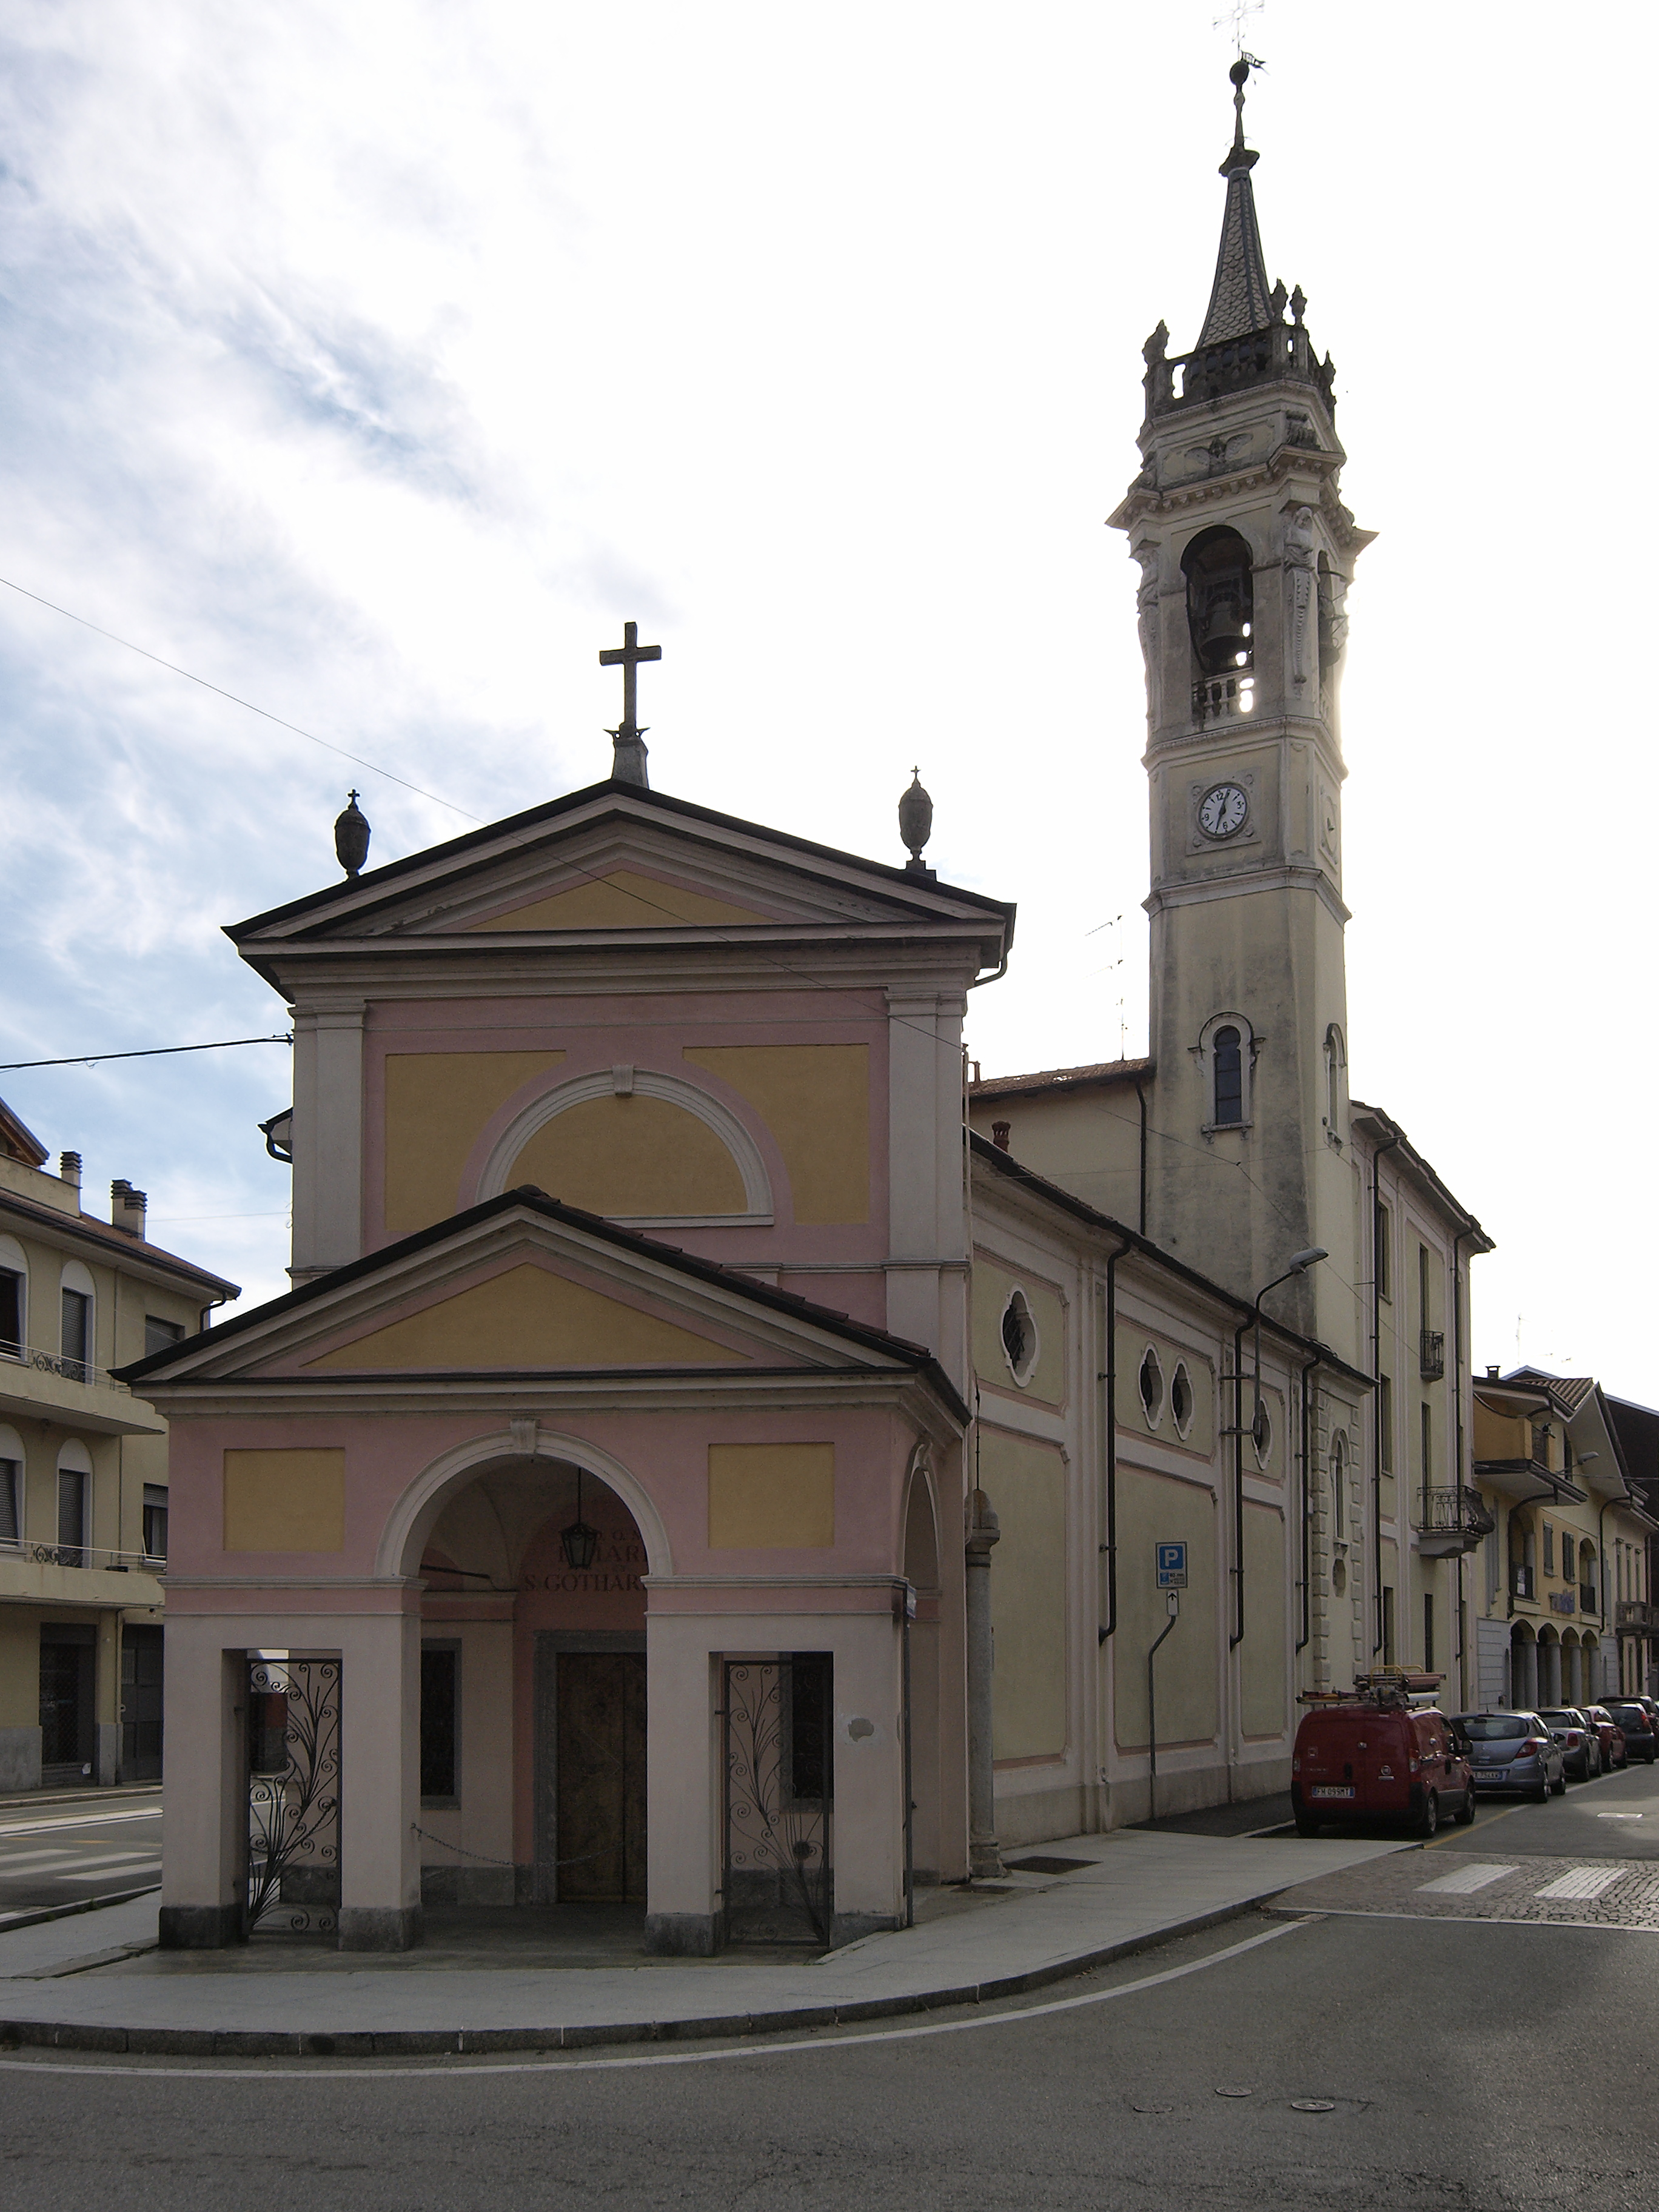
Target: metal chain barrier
{"points": [[484, 1859]]}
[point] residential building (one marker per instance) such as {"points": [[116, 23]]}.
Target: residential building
{"points": [[83, 1472], [1637, 1428], [1564, 1590]]}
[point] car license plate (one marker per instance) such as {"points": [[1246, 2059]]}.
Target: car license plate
{"points": [[1331, 1789]]}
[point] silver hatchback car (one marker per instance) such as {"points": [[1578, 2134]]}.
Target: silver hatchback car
{"points": [[1513, 1751]]}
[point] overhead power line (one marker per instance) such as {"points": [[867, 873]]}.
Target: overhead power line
{"points": [[357, 759], [146, 1051]]}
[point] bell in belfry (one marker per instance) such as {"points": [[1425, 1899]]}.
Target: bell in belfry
{"points": [[915, 817], [1226, 641], [351, 837]]}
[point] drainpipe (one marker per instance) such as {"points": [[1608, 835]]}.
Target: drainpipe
{"points": [[1107, 1375], [1457, 1443], [984, 1859], [1376, 1379], [1140, 1093], [1306, 1637], [1238, 1635]]}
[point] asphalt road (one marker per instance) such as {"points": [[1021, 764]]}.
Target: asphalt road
{"points": [[1467, 2066], [54, 1852], [1616, 1817]]}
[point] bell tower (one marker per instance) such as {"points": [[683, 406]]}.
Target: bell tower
{"points": [[1246, 553]]}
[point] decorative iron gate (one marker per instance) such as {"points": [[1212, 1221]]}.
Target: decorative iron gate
{"points": [[294, 1794], [779, 1879]]}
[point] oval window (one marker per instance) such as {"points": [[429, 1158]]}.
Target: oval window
{"points": [[1181, 1400], [1261, 1436], [1152, 1387], [1019, 1337]]}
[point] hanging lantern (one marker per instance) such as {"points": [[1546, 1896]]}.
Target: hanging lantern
{"points": [[578, 1542]]}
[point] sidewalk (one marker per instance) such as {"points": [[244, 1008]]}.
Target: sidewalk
{"points": [[93, 1984]]}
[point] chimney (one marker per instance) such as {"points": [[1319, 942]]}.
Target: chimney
{"points": [[1001, 1132], [126, 1207], [1492, 1374], [68, 1169]]}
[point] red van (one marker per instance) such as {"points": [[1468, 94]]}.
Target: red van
{"points": [[1370, 1755]]}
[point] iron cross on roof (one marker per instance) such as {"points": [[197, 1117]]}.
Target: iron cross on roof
{"points": [[628, 767]]}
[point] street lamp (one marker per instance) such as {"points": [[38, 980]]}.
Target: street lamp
{"points": [[1300, 1263]]}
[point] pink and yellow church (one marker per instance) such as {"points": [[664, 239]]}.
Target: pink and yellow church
{"points": [[587, 1522]]}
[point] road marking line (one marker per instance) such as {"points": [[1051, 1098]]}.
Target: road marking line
{"points": [[360, 2072], [76, 1820], [1467, 1878], [1581, 1882]]}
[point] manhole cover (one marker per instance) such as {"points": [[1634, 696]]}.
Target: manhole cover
{"points": [[1235, 2092], [1047, 1866], [1313, 2104]]}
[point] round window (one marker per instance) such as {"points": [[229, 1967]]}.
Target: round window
{"points": [[1019, 1337], [1180, 1398], [1152, 1387]]}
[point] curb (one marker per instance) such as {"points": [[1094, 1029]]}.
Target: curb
{"points": [[33, 1915], [388, 2043]]}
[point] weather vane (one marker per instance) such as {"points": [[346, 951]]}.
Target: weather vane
{"points": [[1235, 20]]}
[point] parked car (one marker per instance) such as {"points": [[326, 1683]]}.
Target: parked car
{"points": [[1640, 1732], [1372, 1757], [1513, 1751], [1613, 1736], [1580, 1743]]}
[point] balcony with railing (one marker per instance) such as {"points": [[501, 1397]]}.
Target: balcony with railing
{"points": [[1637, 1616], [73, 1574], [1431, 1354], [1282, 350], [1215, 698], [48, 1385], [1449, 1521]]}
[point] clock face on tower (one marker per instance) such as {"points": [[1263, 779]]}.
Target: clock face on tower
{"points": [[1222, 809]]}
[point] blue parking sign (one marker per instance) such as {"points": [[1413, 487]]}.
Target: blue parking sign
{"points": [[1171, 1565]]}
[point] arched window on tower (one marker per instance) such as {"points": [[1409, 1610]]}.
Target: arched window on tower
{"points": [[1226, 1052], [1228, 1048], [1336, 1066], [1218, 568]]}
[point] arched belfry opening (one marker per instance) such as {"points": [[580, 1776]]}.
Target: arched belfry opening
{"points": [[533, 1691], [1218, 567]]}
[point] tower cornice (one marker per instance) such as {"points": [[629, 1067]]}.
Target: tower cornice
{"points": [[1145, 501]]}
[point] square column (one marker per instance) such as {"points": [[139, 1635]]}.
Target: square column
{"points": [[205, 1861], [380, 1782]]}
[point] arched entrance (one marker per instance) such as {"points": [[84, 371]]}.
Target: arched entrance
{"points": [[1549, 1668], [1523, 1666], [533, 1690], [921, 1573]]}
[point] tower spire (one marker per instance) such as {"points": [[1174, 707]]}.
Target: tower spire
{"points": [[1240, 298]]}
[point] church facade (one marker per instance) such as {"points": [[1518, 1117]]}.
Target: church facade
{"points": [[715, 1455]]}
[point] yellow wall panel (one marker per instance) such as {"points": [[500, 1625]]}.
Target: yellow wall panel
{"points": [[527, 1317], [631, 1156], [1261, 1655], [284, 1501], [621, 900], [1025, 1482], [1152, 1510], [815, 1099], [993, 1287], [767, 1497], [436, 1105]]}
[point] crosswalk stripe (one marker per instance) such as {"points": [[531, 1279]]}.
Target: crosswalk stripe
{"points": [[1466, 1880], [1581, 1882]]}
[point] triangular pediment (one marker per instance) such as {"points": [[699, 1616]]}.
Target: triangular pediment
{"points": [[527, 1315], [617, 862], [522, 1286]]}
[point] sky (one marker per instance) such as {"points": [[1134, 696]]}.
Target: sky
{"points": [[375, 364]]}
